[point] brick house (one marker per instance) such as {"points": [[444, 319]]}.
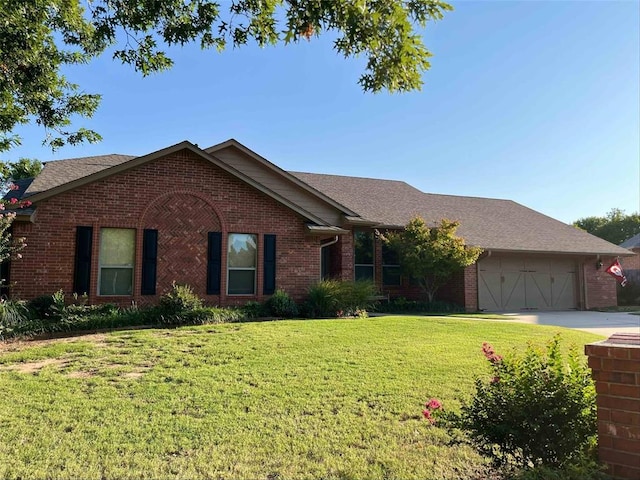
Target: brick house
{"points": [[235, 227], [632, 263]]}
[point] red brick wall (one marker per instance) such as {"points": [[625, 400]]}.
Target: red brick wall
{"points": [[471, 288], [184, 197], [601, 287], [631, 263], [615, 364], [346, 256]]}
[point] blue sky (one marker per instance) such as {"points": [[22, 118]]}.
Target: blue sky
{"points": [[536, 101]]}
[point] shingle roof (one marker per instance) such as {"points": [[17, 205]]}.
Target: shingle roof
{"points": [[60, 172], [633, 242], [490, 223]]}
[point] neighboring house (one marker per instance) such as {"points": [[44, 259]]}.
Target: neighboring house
{"points": [[631, 265], [235, 227]]}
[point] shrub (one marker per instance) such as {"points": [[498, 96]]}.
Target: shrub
{"points": [[13, 314], [537, 410], [322, 299], [282, 305], [355, 297], [330, 298], [52, 313], [40, 307], [183, 307], [180, 299], [253, 309]]}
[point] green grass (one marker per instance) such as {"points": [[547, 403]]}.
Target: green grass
{"points": [[334, 399]]}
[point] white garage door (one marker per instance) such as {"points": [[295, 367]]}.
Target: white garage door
{"points": [[525, 283]]}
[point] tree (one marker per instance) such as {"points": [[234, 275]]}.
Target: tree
{"points": [[431, 255], [10, 246], [23, 168], [40, 37], [615, 226]]}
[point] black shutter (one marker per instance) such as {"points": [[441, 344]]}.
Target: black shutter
{"points": [[149, 261], [82, 269], [269, 284], [214, 257]]}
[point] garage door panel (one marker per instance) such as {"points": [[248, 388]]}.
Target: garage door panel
{"points": [[538, 291], [490, 264], [512, 264], [513, 290], [527, 283], [489, 290], [563, 291], [537, 265]]}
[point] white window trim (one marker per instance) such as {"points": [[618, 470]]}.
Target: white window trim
{"points": [[120, 267], [254, 269]]}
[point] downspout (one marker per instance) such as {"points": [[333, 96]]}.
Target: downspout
{"points": [[330, 242], [323, 245]]}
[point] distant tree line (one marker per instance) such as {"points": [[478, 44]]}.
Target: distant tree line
{"points": [[615, 226]]}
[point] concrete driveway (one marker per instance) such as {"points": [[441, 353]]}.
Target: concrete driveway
{"points": [[601, 323]]}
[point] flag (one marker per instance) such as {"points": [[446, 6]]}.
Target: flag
{"points": [[615, 270]]}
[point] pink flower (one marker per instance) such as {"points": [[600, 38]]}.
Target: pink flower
{"points": [[490, 354], [13, 186], [426, 413], [26, 203], [433, 404], [13, 201]]}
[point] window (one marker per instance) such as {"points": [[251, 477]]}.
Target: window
{"points": [[363, 246], [117, 254], [241, 264], [390, 266]]}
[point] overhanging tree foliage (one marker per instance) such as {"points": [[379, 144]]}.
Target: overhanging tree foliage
{"points": [[615, 226], [39, 37], [431, 254], [23, 168]]}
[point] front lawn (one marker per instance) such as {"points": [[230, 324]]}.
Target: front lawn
{"points": [[337, 399]]}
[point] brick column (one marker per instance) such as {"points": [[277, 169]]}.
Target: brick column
{"points": [[615, 364]]}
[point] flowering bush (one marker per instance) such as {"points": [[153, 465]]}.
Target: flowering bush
{"points": [[431, 410], [10, 246], [537, 409]]}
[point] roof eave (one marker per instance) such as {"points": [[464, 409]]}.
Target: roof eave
{"points": [[325, 230], [559, 252], [359, 221]]}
